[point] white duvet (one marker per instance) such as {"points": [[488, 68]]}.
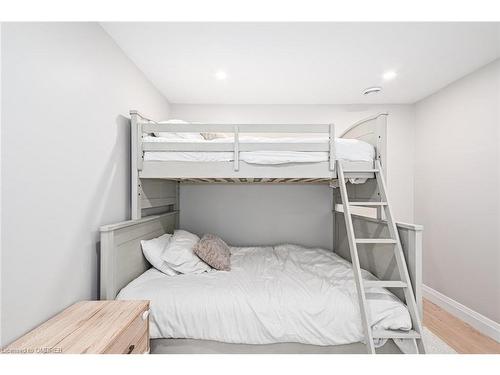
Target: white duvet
{"points": [[346, 149], [285, 293]]}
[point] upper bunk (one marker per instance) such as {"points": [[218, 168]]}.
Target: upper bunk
{"points": [[255, 153]]}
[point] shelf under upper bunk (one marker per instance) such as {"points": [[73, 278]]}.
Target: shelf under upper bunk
{"points": [[178, 152]]}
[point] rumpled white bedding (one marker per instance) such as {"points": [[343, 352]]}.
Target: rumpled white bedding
{"points": [[285, 293], [346, 149]]}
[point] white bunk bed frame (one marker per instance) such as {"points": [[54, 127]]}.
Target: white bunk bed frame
{"points": [[155, 195], [372, 130]]}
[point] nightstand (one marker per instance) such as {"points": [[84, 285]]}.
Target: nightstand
{"points": [[93, 327]]}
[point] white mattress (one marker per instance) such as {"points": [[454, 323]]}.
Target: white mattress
{"points": [[285, 293], [346, 149]]}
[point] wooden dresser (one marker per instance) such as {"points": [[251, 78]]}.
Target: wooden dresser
{"points": [[111, 327]]}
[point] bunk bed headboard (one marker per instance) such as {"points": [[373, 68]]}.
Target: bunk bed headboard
{"points": [[121, 253], [374, 131]]}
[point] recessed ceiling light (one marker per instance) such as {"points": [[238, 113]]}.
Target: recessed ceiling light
{"points": [[220, 75], [372, 90], [389, 75]]}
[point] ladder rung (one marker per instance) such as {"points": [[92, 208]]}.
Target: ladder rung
{"points": [[375, 240], [393, 334], [361, 170], [384, 284], [368, 203]]}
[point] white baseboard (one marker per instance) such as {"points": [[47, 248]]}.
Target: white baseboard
{"points": [[483, 324]]}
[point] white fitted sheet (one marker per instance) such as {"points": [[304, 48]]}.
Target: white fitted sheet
{"points": [[285, 293], [346, 149]]}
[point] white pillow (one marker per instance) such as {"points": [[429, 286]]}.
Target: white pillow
{"points": [[153, 249], [179, 253], [193, 136]]}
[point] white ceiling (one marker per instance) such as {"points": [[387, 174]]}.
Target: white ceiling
{"points": [[304, 63]]}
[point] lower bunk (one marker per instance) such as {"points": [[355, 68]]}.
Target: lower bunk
{"points": [[276, 299]]}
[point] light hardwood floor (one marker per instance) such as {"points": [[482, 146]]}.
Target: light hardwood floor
{"points": [[457, 334]]}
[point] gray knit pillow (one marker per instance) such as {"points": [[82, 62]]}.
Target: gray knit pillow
{"points": [[214, 252]]}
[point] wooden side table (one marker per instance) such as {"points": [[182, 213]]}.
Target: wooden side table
{"points": [[93, 327]]}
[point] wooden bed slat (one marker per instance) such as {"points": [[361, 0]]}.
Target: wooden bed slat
{"points": [[254, 180]]}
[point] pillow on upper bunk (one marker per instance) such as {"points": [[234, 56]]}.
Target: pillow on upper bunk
{"points": [[179, 253], [214, 251], [193, 136], [211, 136], [153, 249]]}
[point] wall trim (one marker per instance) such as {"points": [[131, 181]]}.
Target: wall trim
{"points": [[483, 324]]}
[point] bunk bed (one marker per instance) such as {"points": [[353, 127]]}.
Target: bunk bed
{"points": [[163, 155]]}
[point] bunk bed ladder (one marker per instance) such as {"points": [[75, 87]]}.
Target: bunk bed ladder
{"points": [[414, 335]]}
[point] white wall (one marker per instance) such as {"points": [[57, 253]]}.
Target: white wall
{"points": [[457, 189], [252, 215], [67, 90]]}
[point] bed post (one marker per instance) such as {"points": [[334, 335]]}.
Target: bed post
{"points": [[236, 149], [334, 226], [177, 205], [331, 149], [381, 131], [135, 163], [331, 156], [382, 141]]}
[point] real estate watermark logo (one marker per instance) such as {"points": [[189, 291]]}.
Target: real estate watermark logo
{"points": [[41, 350]]}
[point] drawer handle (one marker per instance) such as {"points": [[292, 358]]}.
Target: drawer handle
{"points": [[145, 315], [131, 349]]}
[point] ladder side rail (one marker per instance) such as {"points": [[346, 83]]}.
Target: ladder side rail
{"points": [[363, 307]]}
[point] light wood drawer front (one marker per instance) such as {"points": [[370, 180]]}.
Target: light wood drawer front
{"points": [[142, 346], [130, 341]]}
